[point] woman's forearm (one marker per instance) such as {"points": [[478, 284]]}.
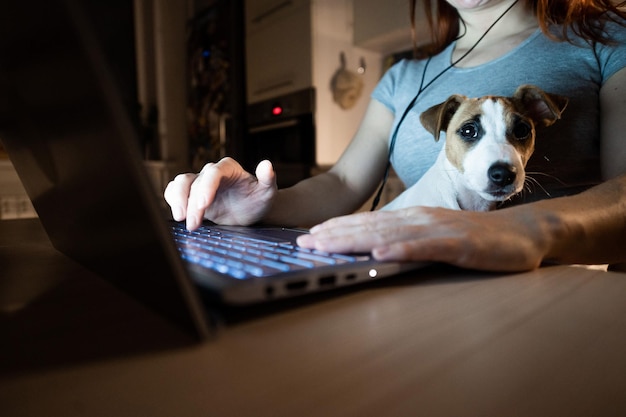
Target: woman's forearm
{"points": [[588, 228], [312, 201]]}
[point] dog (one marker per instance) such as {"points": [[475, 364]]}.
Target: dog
{"points": [[488, 143]]}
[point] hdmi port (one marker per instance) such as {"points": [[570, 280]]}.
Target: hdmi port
{"points": [[296, 285]]}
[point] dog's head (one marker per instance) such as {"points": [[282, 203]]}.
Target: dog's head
{"points": [[490, 139]]}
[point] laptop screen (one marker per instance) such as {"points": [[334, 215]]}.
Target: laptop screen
{"points": [[68, 132]]}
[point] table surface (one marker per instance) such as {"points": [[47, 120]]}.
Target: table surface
{"points": [[440, 342]]}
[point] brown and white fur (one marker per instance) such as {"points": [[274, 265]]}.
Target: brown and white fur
{"points": [[488, 143]]}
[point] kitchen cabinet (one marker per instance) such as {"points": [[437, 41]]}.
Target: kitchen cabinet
{"points": [[278, 48], [216, 100]]}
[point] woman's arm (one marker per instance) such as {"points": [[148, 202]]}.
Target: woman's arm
{"points": [[347, 185], [613, 125], [227, 194], [588, 228]]}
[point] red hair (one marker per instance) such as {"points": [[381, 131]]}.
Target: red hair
{"points": [[583, 17]]}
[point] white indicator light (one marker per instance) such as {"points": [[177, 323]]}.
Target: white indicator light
{"points": [[373, 273]]}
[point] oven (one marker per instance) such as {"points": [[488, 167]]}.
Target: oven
{"points": [[282, 130]]}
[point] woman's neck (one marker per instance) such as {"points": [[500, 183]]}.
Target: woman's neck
{"points": [[514, 26]]}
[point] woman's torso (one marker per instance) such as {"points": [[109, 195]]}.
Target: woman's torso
{"points": [[566, 158]]}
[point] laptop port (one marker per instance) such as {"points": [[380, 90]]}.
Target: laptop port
{"points": [[327, 281], [351, 277], [296, 285]]}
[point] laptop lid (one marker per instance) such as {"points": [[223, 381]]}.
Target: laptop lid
{"points": [[69, 136]]}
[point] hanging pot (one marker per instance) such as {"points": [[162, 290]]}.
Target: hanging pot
{"points": [[346, 85]]}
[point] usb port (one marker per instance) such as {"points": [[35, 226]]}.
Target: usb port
{"points": [[296, 285], [327, 281]]}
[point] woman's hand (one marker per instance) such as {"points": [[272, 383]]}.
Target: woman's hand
{"points": [[222, 192], [476, 240]]}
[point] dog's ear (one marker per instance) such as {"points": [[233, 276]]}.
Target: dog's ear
{"points": [[437, 118], [543, 108]]}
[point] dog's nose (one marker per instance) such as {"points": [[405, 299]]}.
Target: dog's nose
{"points": [[501, 174]]}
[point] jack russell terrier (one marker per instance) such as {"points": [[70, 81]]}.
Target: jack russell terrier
{"points": [[488, 143]]}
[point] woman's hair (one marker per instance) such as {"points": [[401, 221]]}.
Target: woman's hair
{"points": [[583, 17]]}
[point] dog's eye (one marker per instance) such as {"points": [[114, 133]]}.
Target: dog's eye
{"points": [[469, 131], [521, 130]]}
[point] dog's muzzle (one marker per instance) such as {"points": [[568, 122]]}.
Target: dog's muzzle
{"points": [[502, 175]]}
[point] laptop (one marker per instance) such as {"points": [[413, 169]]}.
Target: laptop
{"points": [[69, 135]]}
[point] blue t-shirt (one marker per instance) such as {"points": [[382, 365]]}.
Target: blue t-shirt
{"points": [[567, 154]]}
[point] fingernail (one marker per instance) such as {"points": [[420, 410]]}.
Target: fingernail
{"points": [[178, 213], [192, 222], [305, 240], [381, 252]]}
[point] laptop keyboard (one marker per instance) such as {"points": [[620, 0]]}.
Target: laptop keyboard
{"points": [[243, 256]]}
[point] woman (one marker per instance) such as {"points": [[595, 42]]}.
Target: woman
{"points": [[480, 47]]}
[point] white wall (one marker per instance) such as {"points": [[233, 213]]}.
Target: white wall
{"points": [[333, 34]]}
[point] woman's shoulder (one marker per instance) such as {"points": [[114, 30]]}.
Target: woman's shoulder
{"points": [[404, 71], [412, 70], [615, 25], [613, 29], [616, 33], [405, 66], [554, 46]]}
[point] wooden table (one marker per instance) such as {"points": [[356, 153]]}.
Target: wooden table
{"points": [[444, 342]]}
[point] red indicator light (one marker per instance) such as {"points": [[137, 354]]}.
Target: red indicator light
{"points": [[277, 110]]}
